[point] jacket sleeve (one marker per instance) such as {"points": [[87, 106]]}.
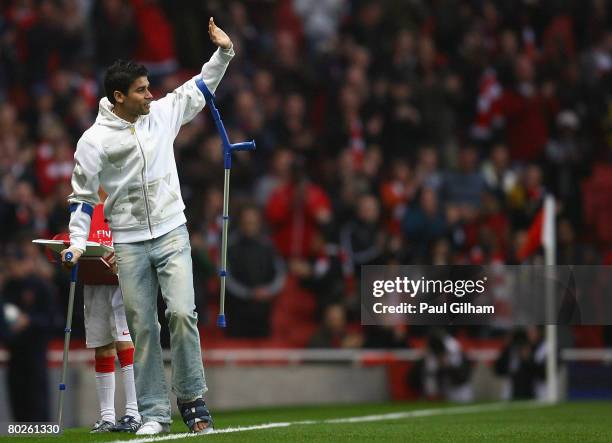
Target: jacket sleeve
{"points": [[84, 197], [181, 105]]}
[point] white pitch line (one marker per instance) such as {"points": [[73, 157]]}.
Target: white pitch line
{"points": [[360, 419]]}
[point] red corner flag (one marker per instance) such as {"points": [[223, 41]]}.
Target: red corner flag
{"points": [[542, 231]]}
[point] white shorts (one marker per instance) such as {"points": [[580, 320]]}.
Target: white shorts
{"points": [[105, 320]]}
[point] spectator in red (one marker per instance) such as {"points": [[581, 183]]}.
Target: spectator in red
{"points": [[527, 109], [155, 46], [54, 164], [398, 192], [295, 211]]}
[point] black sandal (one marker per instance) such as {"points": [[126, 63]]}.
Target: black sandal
{"points": [[195, 412]]}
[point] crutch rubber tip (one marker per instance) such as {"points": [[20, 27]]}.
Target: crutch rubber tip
{"points": [[62, 387], [221, 321]]}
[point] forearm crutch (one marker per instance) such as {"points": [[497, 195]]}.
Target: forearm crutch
{"points": [[228, 149], [67, 330]]}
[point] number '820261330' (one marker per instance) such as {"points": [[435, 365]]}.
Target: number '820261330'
{"points": [[30, 429]]}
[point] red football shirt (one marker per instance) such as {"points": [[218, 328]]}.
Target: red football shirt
{"points": [[91, 270]]}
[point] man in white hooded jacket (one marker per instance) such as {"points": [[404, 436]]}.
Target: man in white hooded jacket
{"points": [[129, 152]]}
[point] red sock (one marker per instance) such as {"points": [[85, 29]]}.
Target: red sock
{"points": [[126, 357], [105, 364]]}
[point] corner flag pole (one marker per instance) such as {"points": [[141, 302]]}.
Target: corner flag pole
{"points": [[549, 240], [228, 148]]}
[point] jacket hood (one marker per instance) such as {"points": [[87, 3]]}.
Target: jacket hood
{"points": [[106, 116]]}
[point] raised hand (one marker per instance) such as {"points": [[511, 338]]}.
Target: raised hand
{"points": [[218, 36]]}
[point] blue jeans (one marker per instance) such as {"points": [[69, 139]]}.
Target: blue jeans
{"points": [[143, 268]]}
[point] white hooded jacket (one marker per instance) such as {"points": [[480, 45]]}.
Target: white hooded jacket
{"points": [[134, 163]]}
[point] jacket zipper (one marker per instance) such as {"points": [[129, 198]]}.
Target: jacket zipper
{"points": [[144, 179]]}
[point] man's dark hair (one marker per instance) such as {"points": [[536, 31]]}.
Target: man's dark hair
{"points": [[120, 75]]}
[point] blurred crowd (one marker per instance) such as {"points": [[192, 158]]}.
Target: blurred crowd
{"points": [[388, 132]]}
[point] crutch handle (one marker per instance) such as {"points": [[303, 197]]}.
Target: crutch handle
{"points": [[68, 256], [228, 150], [244, 146]]}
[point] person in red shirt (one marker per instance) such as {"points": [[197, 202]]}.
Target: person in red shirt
{"points": [[106, 330], [527, 108], [296, 210]]}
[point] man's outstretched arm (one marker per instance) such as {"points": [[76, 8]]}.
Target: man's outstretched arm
{"points": [[182, 105]]}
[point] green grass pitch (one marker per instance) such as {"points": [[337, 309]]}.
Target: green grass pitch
{"points": [[419, 422]]}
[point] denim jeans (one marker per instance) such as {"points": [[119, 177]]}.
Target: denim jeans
{"points": [[143, 268]]}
